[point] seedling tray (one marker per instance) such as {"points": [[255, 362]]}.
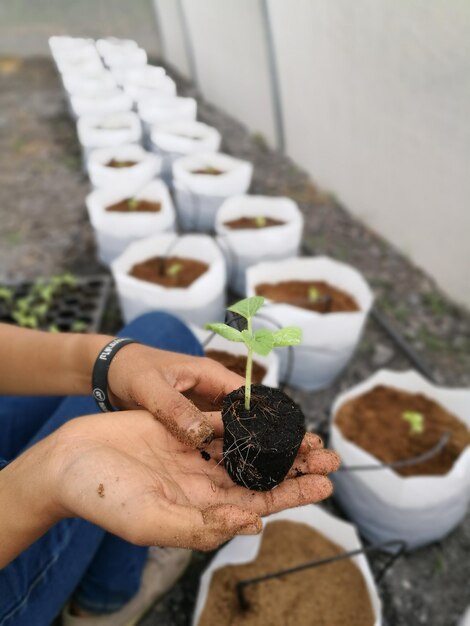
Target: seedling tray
{"points": [[77, 307]]}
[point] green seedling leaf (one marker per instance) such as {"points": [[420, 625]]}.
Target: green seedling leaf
{"points": [[232, 334], [133, 204], [288, 336], [6, 294], [40, 309], [174, 269], [53, 328], [415, 420], [313, 295], [261, 342], [260, 221], [248, 307], [79, 326]]}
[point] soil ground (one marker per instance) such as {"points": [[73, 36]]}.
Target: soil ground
{"points": [[44, 229]]}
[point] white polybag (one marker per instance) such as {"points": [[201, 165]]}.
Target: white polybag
{"points": [[147, 166], [155, 110], [329, 340], [243, 549], [114, 231], [63, 43], [120, 57], [386, 505], [101, 102], [172, 140], [244, 248], [108, 45], [199, 196], [77, 57], [104, 131], [270, 362], [79, 84], [200, 303]]}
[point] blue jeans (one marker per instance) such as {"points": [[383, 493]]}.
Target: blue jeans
{"points": [[74, 558]]}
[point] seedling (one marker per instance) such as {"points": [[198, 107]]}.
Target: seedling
{"points": [[313, 295], [261, 341], [79, 326], [174, 269], [260, 221], [6, 294], [415, 420], [133, 204], [263, 428]]}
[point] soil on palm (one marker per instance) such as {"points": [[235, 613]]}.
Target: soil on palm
{"points": [[169, 272], [260, 445], [237, 363], [133, 205], [250, 223], [330, 595], [116, 163], [374, 421], [315, 295]]}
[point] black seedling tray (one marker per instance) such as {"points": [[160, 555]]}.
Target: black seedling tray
{"points": [[75, 307]]}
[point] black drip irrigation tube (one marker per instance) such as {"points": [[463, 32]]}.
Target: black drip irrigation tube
{"points": [[400, 548]]}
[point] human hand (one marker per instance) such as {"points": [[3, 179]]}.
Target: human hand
{"points": [[126, 473], [175, 388]]}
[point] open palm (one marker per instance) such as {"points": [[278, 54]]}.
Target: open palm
{"points": [[125, 472]]}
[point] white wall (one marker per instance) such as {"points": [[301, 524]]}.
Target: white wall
{"points": [[376, 100], [231, 59], [171, 29]]}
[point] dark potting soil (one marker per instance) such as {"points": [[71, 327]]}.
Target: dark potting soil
{"points": [[132, 205], [328, 299], [374, 421], [118, 164], [208, 171], [173, 271], [245, 223], [260, 445], [330, 595], [237, 364]]}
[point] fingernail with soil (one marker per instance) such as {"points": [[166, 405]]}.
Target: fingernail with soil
{"points": [[325, 461], [251, 529], [201, 432]]}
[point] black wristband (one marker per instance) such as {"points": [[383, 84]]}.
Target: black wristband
{"points": [[99, 379]]}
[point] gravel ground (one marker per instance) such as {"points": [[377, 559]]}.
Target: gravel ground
{"points": [[44, 229]]}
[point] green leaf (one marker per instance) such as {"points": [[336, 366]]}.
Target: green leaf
{"points": [[261, 342], [174, 269], [248, 307], [289, 336], [313, 294], [415, 420], [232, 334]]}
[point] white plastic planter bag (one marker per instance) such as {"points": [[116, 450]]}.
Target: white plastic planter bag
{"points": [[165, 86], [62, 43], [199, 196], [124, 57], [101, 175], [140, 75], [243, 549], [108, 45], [386, 505], [329, 340], [244, 248], [80, 85], [104, 131], [115, 231], [270, 362], [157, 110], [200, 303], [103, 102], [173, 140], [77, 57]]}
